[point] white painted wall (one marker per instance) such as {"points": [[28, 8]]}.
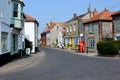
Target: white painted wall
{"points": [[48, 41], [55, 33], [5, 19], [31, 33], [20, 39]]}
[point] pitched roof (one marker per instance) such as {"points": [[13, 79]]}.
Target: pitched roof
{"points": [[52, 25], [104, 15], [30, 19], [116, 13], [77, 17], [62, 24]]}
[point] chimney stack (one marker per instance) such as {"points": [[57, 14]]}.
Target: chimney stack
{"points": [[95, 12], [105, 9], [74, 15], [89, 9]]}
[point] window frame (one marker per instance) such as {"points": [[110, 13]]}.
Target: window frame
{"points": [[74, 27], [15, 10], [91, 42], [70, 28], [67, 29], [90, 28]]}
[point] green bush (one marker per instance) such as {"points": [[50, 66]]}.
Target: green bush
{"points": [[108, 47], [28, 44]]}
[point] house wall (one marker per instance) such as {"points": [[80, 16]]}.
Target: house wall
{"points": [[48, 41], [94, 35], [97, 34], [107, 32], [71, 23], [30, 33], [116, 27], [4, 26], [36, 34], [43, 38], [54, 35], [21, 39], [71, 33]]}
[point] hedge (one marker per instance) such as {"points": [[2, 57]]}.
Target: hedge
{"points": [[108, 47]]}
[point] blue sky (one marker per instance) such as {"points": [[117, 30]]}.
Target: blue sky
{"points": [[62, 10]]}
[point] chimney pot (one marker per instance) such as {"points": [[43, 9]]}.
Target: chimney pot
{"points": [[74, 15]]}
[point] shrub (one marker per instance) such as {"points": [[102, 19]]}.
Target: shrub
{"points": [[108, 47]]}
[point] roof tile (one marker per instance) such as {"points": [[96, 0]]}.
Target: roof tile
{"points": [[104, 15]]}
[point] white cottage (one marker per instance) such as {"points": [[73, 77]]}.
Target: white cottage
{"points": [[5, 18], [31, 31], [54, 34]]}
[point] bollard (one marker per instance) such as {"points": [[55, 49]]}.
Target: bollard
{"points": [[86, 50]]}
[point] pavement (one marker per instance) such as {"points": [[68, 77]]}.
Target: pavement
{"points": [[90, 54], [21, 62]]}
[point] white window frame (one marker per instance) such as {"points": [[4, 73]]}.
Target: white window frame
{"points": [[91, 42], [74, 27]]}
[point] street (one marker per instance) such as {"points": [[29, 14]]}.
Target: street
{"points": [[63, 65]]}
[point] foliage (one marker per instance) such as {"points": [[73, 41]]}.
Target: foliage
{"points": [[108, 47]]}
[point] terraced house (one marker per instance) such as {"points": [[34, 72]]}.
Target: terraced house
{"points": [[11, 25], [97, 29], [74, 30], [17, 25]]}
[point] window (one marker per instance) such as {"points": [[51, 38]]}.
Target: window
{"points": [[118, 37], [74, 27], [91, 42], [70, 28], [91, 29], [67, 29], [4, 41], [15, 10], [15, 41]]}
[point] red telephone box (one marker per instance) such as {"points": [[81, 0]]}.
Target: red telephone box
{"points": [[81, 46]]}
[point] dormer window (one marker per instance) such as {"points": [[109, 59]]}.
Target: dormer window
{"points": [[15, 10]]}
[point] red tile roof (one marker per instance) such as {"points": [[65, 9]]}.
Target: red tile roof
{"points": [[62, 24], [52, 25], [104, 15], [30, 19], [116, 13]]}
